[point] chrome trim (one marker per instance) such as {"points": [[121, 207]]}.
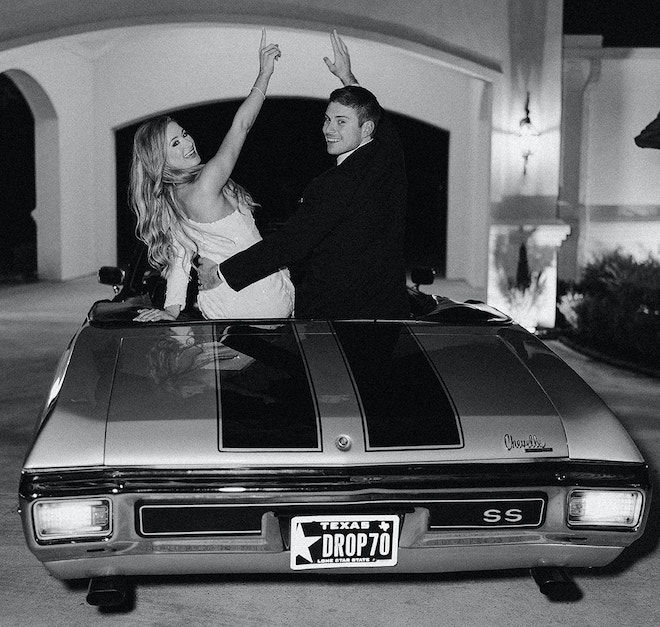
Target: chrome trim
{"points": [[343, 482]]}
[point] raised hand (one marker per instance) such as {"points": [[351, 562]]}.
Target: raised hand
{"points": [[268, 54], [341, 65]]}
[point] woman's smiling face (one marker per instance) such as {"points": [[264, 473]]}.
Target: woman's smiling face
{"points": [[181, 151]]}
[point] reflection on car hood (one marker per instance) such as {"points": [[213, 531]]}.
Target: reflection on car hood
{"points": [[315, 393]]}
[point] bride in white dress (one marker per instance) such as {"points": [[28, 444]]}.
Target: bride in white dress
{"points": [[185, 208], [271, 297]]}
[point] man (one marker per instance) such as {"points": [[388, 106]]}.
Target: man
{"points": [[348, 233]]}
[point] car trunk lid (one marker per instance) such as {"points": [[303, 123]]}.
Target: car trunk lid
{"points": [[314, 393]]}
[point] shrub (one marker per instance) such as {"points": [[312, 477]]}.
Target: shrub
{"points": [[616, 308]]}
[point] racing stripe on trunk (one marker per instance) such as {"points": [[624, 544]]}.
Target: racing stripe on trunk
{"points": [[266, 402], [403, 399]]}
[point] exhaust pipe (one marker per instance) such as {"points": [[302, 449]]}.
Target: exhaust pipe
{"points": [[107, 591], [556, 584]]}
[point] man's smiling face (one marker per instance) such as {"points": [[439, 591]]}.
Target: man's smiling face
{"points": [[342, 129]]}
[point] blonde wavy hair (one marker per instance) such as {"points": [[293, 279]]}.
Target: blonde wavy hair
{"points": [[161, 222]]}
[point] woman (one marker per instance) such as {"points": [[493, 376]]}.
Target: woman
{"points": [[185, 208]]}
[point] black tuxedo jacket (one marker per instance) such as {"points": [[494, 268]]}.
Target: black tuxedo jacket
{"points": [[346, 238]]}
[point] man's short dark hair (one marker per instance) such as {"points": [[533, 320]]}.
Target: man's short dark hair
{"points": [[361, 100]]}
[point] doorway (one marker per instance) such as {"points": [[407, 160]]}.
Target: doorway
{"points": [[285, 150], [18, 231]]}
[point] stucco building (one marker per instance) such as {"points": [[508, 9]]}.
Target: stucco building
{"points": [[475, 68]]}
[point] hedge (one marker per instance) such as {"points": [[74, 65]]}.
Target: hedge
{"points": [[615, 308]]}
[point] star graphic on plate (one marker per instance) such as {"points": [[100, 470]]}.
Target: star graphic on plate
{"points": [[384, 526], [302, 543]]}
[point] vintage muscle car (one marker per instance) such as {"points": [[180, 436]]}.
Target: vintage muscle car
{"points": [[451, 441]]}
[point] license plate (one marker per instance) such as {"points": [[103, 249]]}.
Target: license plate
{"points": [[344, 541]]}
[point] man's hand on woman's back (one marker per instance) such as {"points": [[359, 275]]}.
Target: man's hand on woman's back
{"points": [[207, 273]]}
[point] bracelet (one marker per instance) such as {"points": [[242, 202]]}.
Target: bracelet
{"points": [[259, 90], [217, 271]]}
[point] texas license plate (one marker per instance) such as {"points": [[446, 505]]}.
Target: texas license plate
{"points": [[344, 541]]}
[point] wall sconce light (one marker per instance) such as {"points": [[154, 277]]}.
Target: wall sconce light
{"points": [[528, 137]]}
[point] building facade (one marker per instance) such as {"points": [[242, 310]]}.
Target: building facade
{"points": [[476, 68], [610, 188]]}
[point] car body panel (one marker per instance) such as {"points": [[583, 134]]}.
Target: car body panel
{"points": [[173, 418], [200, 558], [583, 412]]}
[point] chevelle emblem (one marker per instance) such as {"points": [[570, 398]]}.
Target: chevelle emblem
{"points": [[529, 444]]}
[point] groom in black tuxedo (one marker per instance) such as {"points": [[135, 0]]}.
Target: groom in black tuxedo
{"points": [[347, 236]]}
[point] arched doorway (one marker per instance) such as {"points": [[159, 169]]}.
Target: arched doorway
{"points": [[46, 164], [285, 150], [18, 232]]}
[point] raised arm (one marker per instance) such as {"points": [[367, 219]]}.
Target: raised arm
{"points": [[219, 168], [341, 66], [308, 228]]}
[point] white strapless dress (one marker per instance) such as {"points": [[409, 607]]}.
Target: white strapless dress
{"points": [[270, 297]]}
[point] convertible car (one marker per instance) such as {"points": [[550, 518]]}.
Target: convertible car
{"points": [[451, 441]]}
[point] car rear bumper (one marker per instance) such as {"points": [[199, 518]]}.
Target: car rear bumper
{"points": [[262, 545], [474, 557]]}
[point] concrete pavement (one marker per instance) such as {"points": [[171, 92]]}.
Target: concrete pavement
{"points": [[49, 300]]}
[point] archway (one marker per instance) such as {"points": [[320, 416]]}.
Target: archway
{"points": [[76, 206], [285, 150], [47, 212], [18, 233]]}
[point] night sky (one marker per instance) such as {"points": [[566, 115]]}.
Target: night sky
{"points": [[622, 23]]}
